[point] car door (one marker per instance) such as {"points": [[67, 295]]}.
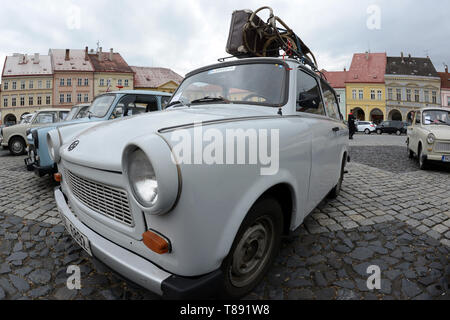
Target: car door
{"points": [[311, 109], [44, 118], [413, 133]]}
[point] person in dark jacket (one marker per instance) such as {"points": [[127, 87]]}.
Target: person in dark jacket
{"points": [[351, 124]]}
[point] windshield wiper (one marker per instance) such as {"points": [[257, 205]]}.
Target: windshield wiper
{"points": [[175, 103], [211, 99], [444, 122]]}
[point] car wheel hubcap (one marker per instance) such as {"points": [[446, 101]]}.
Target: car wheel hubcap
{"points": [[17, 147], [252, 253]]}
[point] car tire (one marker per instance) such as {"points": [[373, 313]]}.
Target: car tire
{"points": [[336, 191], [261, 231], [399, 133], [367, 131], [379, 131], [423, 164], [17, 146]]}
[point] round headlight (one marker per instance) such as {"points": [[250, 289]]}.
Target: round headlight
{"points": [[431, 138], [142, 178]]}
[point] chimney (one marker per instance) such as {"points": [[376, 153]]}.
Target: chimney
{"points": [[111, 52], [409, 55], [86, 54], [403, 57], [36, 58], [367, 55], [100, 52], [67, 54], [446, 69], [345, 69]]}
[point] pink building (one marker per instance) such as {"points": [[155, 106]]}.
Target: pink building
{"points": [[73, 77], [445, 87]]}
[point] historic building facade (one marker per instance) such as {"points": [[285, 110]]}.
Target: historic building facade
{"points": [[158, 79], [73, 77], [411, 83], [27, 85], [365, 87], [445, 87], [111, 72]]}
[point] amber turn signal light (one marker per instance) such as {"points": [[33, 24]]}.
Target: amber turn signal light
{"points": [[57, 177], [156, 243]]}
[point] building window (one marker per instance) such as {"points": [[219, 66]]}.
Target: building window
{"points": [[5, 102], [22, 85], [126, 82], [40, 84], [361, 95], [86, 97], [14, 101], [61, 98], [48, 100], [49, 84], [448, 101], [80, 82], [434, 97], [31, 84], [379, 95], [119, 82], [408, 94], [14, 85], [5, 85], [372, 94], [390, 94], [22, 101], [69, 98], [417, 95], [399, 94], [102, 82], [79, 97], [69, 82], [30, 101], [427, 96], [61, 82], [39, 100], [108, 82], [86, 82]]}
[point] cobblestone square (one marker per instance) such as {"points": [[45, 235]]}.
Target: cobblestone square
{"points": [[389, 214]]}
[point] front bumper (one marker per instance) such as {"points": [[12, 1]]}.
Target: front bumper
{"points": [[137, 269], [436, 157]]}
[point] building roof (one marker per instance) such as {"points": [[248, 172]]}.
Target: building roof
{"points": [[77, 60], [410, 66], [445, 79], [336, 78], [117, 64], [146, 77], [24, 65], [367, 68]]}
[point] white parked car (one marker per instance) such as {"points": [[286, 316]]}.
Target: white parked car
{"points": [[429, 136], [194, 200], [366, 126]]}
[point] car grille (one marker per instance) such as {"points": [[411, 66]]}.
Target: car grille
{"points": [[442, 147], [108, 201]]}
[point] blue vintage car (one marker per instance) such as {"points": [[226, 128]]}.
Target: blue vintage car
{"points": [[107, 106]]}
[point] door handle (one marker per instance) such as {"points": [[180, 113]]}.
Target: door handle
{"points": [[336, 129]]}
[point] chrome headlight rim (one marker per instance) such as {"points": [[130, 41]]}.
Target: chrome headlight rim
{"points": [[431, 139], [141, 182]]}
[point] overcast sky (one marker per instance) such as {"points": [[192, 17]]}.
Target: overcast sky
{"points": [[186, 34]]}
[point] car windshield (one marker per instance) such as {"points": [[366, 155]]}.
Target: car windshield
{"points": [[72, 113], [436, 117], [26, 119], [101, 105], [258, 84]]}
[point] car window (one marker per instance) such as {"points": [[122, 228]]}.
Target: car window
{"points": [[82, 113], [101, 105], [165, 101], [330, 100], [418, 117], [308, 94], [44, 118], [63, 115]]}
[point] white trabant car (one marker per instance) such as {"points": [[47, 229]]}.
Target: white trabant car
{"points": [[429, 136], [163, 200]]}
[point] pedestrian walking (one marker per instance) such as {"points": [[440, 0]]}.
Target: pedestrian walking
{"points": [[351, 124]]}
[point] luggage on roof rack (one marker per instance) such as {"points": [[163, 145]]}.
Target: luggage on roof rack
{"points": [[250, 36]]}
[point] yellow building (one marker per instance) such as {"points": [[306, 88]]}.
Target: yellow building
{"points": [[156, 79], [365, 87], [27, 85], [111, 72]]}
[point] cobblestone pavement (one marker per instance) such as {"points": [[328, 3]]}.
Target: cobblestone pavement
{"points": [[389, 214]]}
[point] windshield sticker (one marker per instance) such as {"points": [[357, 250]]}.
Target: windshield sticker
{"points": [[222, 70]]}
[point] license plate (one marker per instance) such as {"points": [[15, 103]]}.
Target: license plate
{"points": [[80, 238], [445, 158]]}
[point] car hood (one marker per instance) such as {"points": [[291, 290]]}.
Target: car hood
{"points": [[441, 132], [102, 146], [17, 128]]}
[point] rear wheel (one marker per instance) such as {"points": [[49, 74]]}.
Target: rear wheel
{"points": [[410, 153], [399, 133], [337, 189], [17, 146], [379, 131], [254, 249], [367, 131]]}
